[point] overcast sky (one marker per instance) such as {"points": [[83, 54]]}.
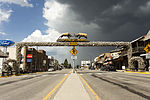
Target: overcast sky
{"points": [[102, 20]]}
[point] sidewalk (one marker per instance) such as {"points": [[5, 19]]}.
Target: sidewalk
{"points": [[72, 89]]}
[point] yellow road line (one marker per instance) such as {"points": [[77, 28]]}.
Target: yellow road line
{"points": [[138, 72], [55, 88], [12, 75], [96, 96]]}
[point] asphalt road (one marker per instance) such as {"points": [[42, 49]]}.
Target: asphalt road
{"points": [[118, 85], [107, 85], [30, 87]]}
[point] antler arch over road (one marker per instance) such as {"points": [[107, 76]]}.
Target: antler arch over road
{"points": [[83, 44]]}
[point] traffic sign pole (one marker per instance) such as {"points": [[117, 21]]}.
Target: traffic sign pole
{"points": [[73, 52], [73, 65]]}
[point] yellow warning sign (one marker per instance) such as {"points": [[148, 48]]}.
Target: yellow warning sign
{"points": [[147, 48], [73, 51]]}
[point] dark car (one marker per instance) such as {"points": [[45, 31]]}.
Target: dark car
{"points": [[108, 67], [111, 68]]}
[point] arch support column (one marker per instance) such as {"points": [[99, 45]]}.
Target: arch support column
{"points": [[18, 56]]}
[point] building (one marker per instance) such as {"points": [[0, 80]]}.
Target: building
{"points": [[32, 60], [35, 60], [51, 61], [139, 60], [11, 54], [56, 64], [102, 60], [86, 64]]}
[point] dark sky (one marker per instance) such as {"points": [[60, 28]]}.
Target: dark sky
{"points": [[117, 20], [122, 20]]}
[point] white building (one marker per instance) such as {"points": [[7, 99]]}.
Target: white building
{"points": [[12, 54], [86, 63]]}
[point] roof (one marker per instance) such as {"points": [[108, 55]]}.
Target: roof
{"points": [[101, 55], [116, 50], [140, 38], [3, 55], [143, 38], [147, 37]]}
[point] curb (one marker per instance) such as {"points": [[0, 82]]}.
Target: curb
{"points": [[138, 72], [20, 74]]}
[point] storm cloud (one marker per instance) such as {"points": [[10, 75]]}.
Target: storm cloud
{"points": [[102, 20], [122, 20]]}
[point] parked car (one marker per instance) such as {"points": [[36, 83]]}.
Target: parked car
{"points": [[59, 68], [108, 67], [51, 69], [92, 68], [111, 68], [82, 68]]}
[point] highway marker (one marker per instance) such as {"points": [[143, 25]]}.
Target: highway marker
{"points": [[56, 87], [93, 92]]}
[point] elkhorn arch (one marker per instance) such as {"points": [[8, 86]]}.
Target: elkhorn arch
{"points": [[83, 44]]}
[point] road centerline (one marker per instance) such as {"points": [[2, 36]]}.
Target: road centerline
{"points": [[56, 87], [93, 92]]}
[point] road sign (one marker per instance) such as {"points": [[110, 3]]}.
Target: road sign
{"points": [[73, 43], [73, 51], [73, 57], [147, 48], [29, 55], [6, 43], [29, 60]]}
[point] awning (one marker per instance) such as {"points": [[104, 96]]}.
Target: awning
{"points": [[142, 54]]}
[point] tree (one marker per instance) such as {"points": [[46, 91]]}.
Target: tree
{"points": [[69, 66], [66, 63]]}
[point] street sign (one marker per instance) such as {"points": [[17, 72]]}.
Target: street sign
{"points": [[73, 43], [147, 48], [73, 57], [73, 51], [29, 60], [29, 55], [6, 43]]}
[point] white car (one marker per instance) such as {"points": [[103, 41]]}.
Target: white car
{"points": [[51, 69]]}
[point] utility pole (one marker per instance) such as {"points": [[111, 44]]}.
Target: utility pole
{"points": [[73, 65]]}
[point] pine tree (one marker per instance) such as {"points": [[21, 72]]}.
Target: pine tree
{"points": [[66, 63]]}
